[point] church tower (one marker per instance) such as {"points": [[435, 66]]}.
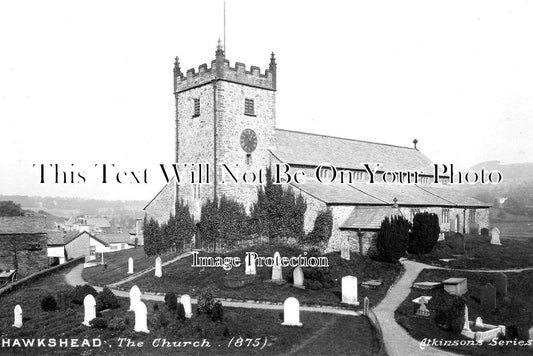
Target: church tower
{"points": [[224, 116]]}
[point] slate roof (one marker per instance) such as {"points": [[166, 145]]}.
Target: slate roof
{"points": [[302, 148], [11, 225], [115, 238], [450, 193], [98, 222], [337, 193], [406, 194], [58, 238], [368, 218]]}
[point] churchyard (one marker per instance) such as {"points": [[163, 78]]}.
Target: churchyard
{"points": [[479, 253], [496, 299], [319, 333], [322, 285]]}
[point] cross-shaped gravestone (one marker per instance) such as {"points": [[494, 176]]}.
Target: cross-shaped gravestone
{"points": [[130, 265], [135, 296], [89, 307], [186, 301], [291, 312], [349, 290], [158, 270], [488, 297], [345, 250], [18, 316], [140, 318]]}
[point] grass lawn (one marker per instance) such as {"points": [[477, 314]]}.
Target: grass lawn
{"points": [[515, 309], [181, 278], [480, 254], [117, 266], [321, 333]]}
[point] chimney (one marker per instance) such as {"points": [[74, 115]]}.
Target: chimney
{"points": [[415, 141], [137, 227]]}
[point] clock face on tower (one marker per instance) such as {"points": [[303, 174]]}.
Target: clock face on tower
{"points": [[248, 140]]}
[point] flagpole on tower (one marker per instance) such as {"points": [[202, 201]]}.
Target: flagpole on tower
{"points": [[225, 27]]}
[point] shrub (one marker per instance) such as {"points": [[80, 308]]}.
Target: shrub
{"points": [[107, 299], [171, 301], [156, 307], [180, 311], [48, 303], [314, 285], [217, 313], [322, 229], [78, 294], [159, 320], [99, 323], [425, 233], [321, 275], [118, 323], [205, 301], [226, 332], [393, 238], [63, 299]]}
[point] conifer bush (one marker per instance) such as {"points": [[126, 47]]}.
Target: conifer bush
{"points": [[48, 303], [425, 233], [171, 301], [78, 294], [393, 238], [106, 300]]}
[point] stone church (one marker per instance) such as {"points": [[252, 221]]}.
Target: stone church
{"points": [[227, 116]]}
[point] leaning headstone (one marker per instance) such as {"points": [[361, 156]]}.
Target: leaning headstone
{"points": [[479, 322], [249, 265], [135, 297], [349, 290], [488, 297], [130, 265], [277, 274], [158, 271], [466, 325], [500, 282], [291, 312], [298, 277], [495, 236], [140, 318], [186, 301], [345, 250], [18, 316], [89, 307]]}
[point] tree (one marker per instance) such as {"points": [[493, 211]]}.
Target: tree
{"points": [[182, 227], [152, 237], [393, 238], [8, 208], [322, 229], [224, 221], [425, 233]]}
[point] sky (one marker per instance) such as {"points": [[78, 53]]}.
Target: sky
{"points": [[85, 83]]}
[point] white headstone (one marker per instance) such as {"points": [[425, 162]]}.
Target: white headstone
{"points": [[135, 296], [495, 236], [140, 318], [89, 307], [479, 322], [349, 290], [291, 312], [345, 250], [441, 236], [186, 301], [18, 316], [277, 275], [298, 277], [249, 264], [130, 265], [531, 336], [466, 325], [158, 271]]}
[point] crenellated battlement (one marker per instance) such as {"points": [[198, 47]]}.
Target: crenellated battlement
{"points": [[221, 70]]}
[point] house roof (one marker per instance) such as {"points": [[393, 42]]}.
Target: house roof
{"points": [[294, 147], [115, 238], [98, 222], [368, 218], [336, 193], [10, 225], [58, 238]]}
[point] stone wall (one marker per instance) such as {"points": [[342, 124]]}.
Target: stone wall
{"points": [[80, 246], [30, 253], [163, 203]]}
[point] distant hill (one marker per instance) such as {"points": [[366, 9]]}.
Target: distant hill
{"points": [[512, 173]]}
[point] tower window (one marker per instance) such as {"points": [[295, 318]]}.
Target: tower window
{"points": [[249, 159], [196, 107], [249, 107]]}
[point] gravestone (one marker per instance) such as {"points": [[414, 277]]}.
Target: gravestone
{"points": [[456, 286], [479, 322], [298, 277], [500, 282], [495, 236], [423, 310], [366, 305], [277, 274], [485, 232], [249, 265], [130, 265], [140, 318], [89, 307], [186, 301], [345, 250], [291, 312], [18, 316], [158, 271], [441, 236], [349, 290], [135, 297], [466, 325], [531, 336], [488, 297]]}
